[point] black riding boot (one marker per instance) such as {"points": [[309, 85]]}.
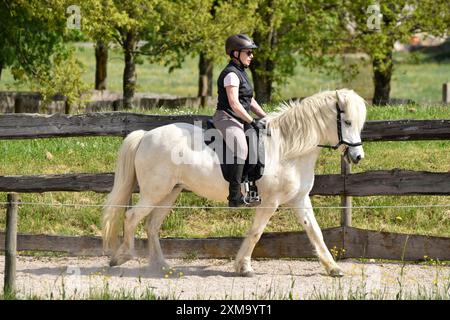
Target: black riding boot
{"points": [[235, 198]]}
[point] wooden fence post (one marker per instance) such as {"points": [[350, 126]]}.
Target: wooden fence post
{"points": [[11, 244], [346, 201], [446, 93]]}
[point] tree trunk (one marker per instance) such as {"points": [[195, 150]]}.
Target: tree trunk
{"points": [[263, 68], [129, 73], [101, 65], [1, 68], [205, 79], [382, 72], [262, 80], [67, 107]]}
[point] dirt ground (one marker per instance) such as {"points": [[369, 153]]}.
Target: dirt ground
{"points": [[81, 278]]}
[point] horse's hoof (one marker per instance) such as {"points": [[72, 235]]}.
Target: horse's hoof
{"points": [[119, 260], [113, 263], [248, 274], [336, 273]]}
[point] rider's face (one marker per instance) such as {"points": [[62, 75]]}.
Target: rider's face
{"points": [[246, 56]]}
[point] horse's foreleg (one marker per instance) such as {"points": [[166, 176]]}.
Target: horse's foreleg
{"points": [[243, 258], [307, 219], [132, 218], [153, 224]]}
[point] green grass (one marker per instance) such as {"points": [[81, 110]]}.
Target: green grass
{"points": [[419, 79], [415, 77], [151, 77]]}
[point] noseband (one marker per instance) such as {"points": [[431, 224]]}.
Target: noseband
{"points": [[339, 131]]}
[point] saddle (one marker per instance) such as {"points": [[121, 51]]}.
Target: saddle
{"points": [[254, 164]]}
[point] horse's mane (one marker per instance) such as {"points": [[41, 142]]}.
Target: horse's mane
{"points": [[303, 125]]}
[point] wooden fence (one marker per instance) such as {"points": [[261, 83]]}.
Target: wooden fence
{"points": [[357, 242], [100, 100]]}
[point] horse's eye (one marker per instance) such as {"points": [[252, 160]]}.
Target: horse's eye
{"points": [[348, 123]]}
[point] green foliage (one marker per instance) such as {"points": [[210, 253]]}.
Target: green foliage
{"points": [[110, 20], [304, 27], [321, 31], [31, 37], [399, 20], [191, 27], [63, 76], [285, 28], [126, 24], [30, 32]]}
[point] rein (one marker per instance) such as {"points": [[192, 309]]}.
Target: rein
{"points": [[339, 131]]}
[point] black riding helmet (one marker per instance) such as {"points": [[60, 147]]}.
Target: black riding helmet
{"points": [[238, 42]]}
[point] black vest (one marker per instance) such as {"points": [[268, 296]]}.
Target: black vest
{"points": [[245, 89]]}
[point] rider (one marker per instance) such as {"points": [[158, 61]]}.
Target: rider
{"points": [[235, 100]]}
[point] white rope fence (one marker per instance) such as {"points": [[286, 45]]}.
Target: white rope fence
{"points": [[20, 203]]}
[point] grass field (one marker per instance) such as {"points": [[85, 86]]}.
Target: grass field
{"points": [[415, 77], [418, 81]]}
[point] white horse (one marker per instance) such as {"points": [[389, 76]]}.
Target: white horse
{"points": [[292, 149]]}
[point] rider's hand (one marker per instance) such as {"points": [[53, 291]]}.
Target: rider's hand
{"points": [[258, 125]]}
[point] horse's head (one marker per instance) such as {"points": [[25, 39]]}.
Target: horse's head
{"points": [[328, 117], [350, 115]]}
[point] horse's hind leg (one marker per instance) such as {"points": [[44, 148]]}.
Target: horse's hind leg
{"points": [[132, 218], [153, 224], [243, 258]]}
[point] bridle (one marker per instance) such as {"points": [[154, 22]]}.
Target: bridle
{"points": [[339, 131]]}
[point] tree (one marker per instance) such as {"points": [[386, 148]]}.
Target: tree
{"points": [[374, 30], [125, 23], [95, 27], [206, 66], [225, 18], [198, 27], [29, 35], [287, 29], [270, 15], [279, 28], [32, 35], [101, 64]]}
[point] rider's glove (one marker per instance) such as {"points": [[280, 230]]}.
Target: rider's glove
{"points": [[258, 125]]}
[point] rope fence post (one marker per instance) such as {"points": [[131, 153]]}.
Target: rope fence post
{"points": [[346, 201], [11, 244]]}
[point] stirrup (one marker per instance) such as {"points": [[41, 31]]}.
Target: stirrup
{"points": [[251, 198]]}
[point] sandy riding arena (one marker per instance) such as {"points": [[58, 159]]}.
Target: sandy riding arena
{"points": [[83, 278]]}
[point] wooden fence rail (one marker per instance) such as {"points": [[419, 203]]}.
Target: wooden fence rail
{"points": [[358, 243], [23, 126], [392, 182]]}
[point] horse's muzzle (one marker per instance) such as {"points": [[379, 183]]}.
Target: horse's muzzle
{"points": [[352, 157], [357, 159]]}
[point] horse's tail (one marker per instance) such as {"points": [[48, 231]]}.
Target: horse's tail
{"points": [[124, 183]]}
